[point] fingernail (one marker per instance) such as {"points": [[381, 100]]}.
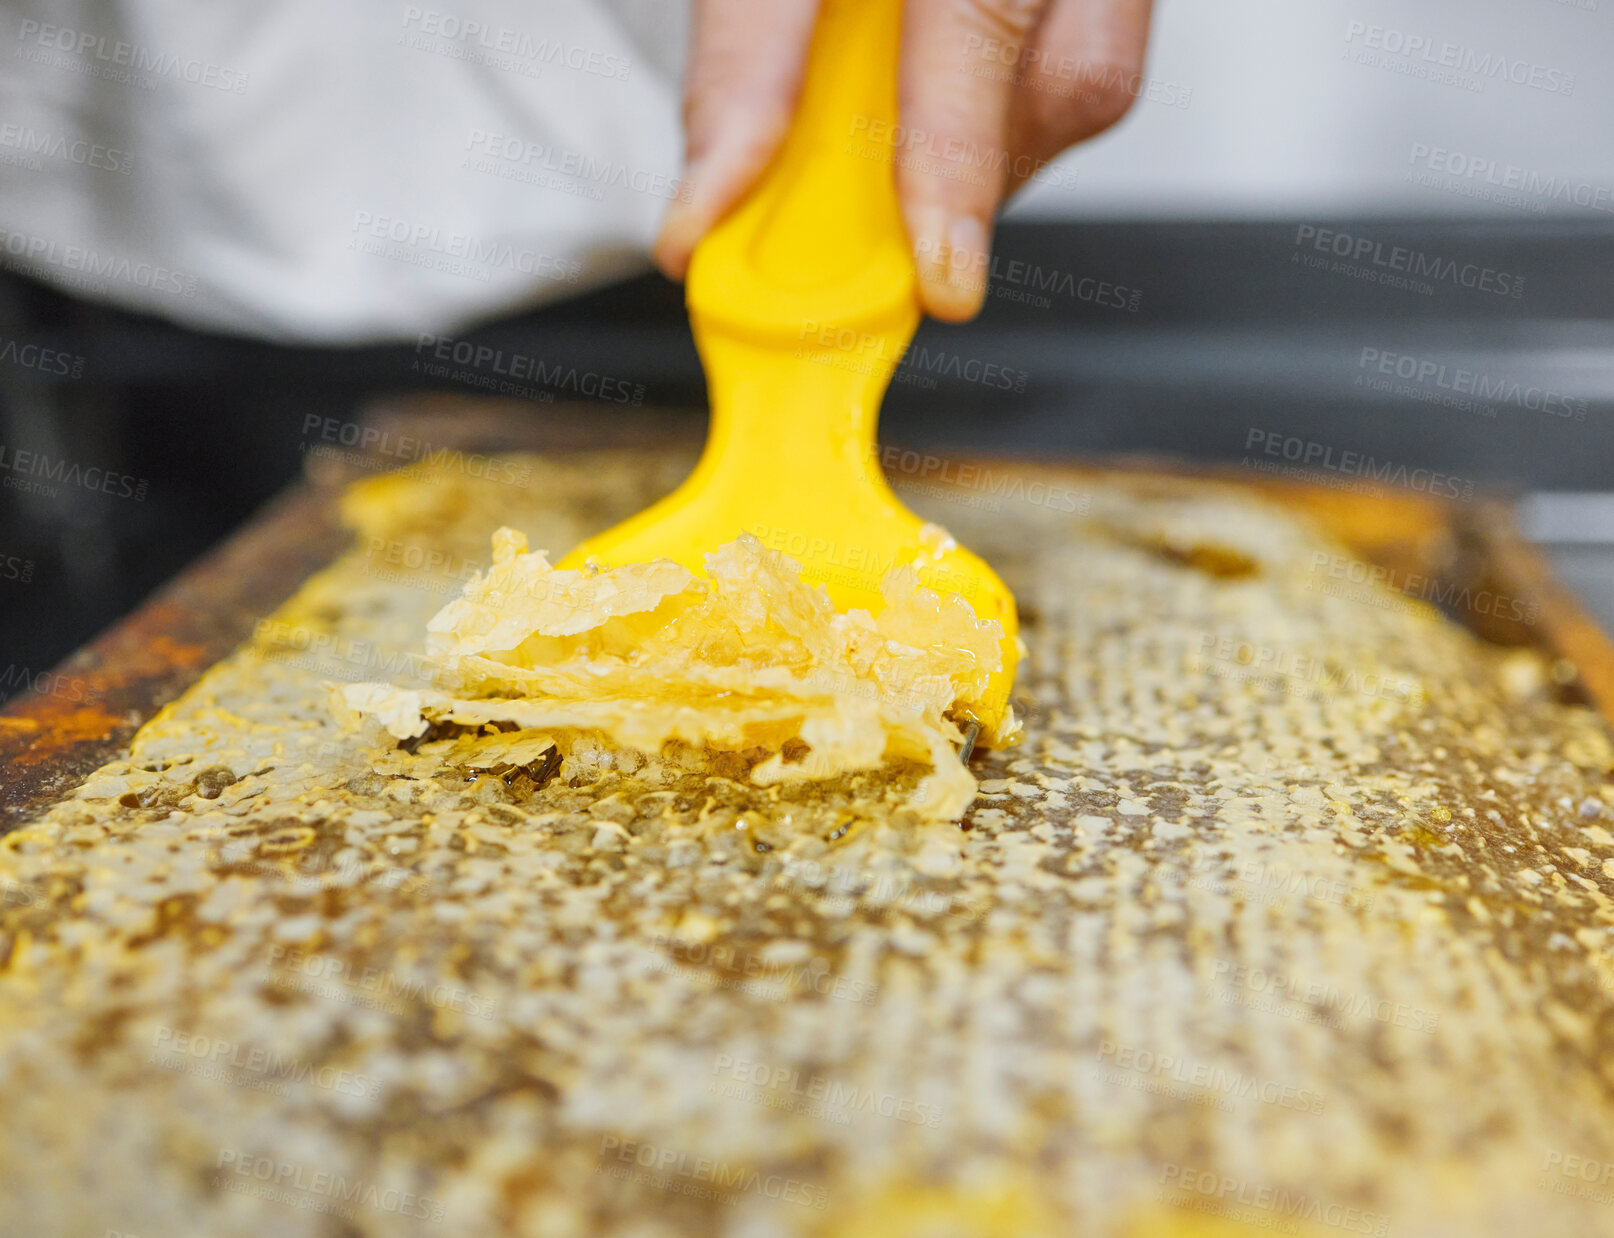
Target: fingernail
{"points": [[683, 224], [690, 182], [930, 244], [950, 252], [966, 271]]}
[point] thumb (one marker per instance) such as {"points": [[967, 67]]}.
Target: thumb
{"points": [[740, 93]]}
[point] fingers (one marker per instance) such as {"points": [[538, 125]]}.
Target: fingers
{"points": [[1082, 75], [744, 77], [990, 89], [954, 163]]}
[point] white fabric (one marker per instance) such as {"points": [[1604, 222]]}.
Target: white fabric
{"points": [[316, 171]]}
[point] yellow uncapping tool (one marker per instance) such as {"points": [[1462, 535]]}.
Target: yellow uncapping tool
{"points": [[803, 300]]}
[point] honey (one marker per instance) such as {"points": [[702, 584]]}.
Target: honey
{"points": [[747, 660]]}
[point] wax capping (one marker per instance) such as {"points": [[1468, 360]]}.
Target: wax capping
{"points": [[746, 659]]}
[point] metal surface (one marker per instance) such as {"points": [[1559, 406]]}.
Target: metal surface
{"points": [[99, 697], [95, 700]]}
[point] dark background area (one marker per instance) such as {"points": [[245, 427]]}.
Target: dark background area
{"points": [[1170, 339]]}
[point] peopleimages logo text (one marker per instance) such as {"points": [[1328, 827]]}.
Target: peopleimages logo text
{"points": [[31, 141], [832, 1092], [539, 158], [1313, 454], [31, 464], [133, 56], [913, 143], [1530, 182], [433, 239], [33, 252], [320, 1184], [966, 476], [522, 367], [1411, 262], [50, 361], [1459, 59], [1219, 1194], [664, 1163], [1204, 1076], [1426, 371], [15, 567], [379, 445], [540, 51], [1348, 570]]}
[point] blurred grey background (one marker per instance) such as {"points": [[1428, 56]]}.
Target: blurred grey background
{"points": [[1301, 107]]}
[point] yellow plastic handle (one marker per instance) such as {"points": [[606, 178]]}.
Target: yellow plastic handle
{"points": [[803, 300], [820, 238]]}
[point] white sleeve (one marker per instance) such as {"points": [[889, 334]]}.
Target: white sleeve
{"points": [[348, 172]]}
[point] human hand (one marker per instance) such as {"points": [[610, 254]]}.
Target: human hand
{"points": [[1017, 81]]}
